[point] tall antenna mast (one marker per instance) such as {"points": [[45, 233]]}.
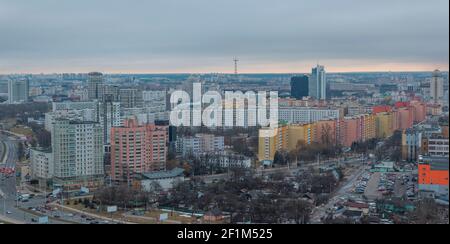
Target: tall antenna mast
{"points": [[236, 65]]}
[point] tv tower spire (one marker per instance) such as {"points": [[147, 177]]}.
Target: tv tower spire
{"points": [[236, 65]]}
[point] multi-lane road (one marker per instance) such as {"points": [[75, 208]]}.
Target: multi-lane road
{"points": [[29, 211], [12, 210]]}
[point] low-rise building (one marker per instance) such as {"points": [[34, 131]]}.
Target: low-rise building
{"points": [[166, 179], [41, 164], [226, 160], [433, 177]]}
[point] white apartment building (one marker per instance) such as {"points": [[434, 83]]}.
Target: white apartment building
{"points": [[41, 164], [224, 160], [18, 91], [82, 115], [199, 144], [155, 100], [77, 150], [145, 115], [438, 147], [58, 106], [300, 115]]}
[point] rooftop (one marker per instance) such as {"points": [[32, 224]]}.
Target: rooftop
{"points": [[163, 174]]}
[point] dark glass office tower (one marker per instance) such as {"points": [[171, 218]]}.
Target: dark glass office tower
{"points": [[299, 87]]}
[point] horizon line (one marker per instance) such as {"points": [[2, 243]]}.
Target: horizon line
{"points": [[222, 73]]}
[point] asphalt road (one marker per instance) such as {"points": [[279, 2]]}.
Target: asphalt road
{"points": [[13, 211], [9, 206]]}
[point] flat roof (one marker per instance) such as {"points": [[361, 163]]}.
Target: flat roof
{"points": [[163, 174]]}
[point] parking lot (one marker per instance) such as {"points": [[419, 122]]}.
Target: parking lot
{"points": [[380, 185]]}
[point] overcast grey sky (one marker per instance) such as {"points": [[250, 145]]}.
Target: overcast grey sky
{"points": [[160, 36]]}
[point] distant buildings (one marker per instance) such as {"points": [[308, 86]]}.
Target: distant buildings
{"points": [[18, 91], [131, 98], [106, 112], [95, 86], [300, 87], [109, 116], [137, 148], [318, 83], [297, 115]]}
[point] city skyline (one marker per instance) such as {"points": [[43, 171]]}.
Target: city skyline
{"points": [[154, 37]]}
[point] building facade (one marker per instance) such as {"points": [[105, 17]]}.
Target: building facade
{"points": [[318, 83], [95, 86], [18, 91], [300, 87], [77, 153], [137, 148]]}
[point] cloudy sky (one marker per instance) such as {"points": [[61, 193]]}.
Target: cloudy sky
{"points": [[163, 36]]}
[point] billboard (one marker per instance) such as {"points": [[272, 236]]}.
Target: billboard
{"points": [[111, 209], [163, 217], [43, 220], [84, 190]]}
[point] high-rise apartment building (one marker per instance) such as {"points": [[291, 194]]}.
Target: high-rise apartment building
{"points": [[77, 153], [137, 149], [131, 98], [437, 87], [95, 86], [108, 116], [18, 91]]}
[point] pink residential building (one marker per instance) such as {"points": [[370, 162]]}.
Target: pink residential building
{"points": [[137, 149], [419, 111], [349, 131], [403, 119]]}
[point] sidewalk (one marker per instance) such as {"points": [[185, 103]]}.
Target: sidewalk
{"points": [[90, 214], [152, 219], [9, 220]]}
